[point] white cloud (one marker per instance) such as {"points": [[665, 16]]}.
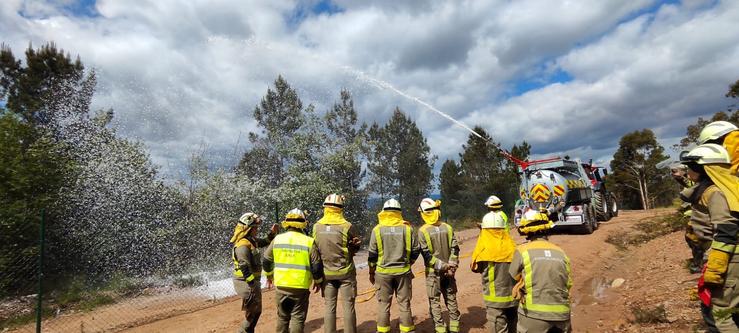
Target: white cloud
{"points": [[181, 75]]}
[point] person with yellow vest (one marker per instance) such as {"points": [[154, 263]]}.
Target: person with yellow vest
{"points": [[710, 165], [248, 267], [492, 258], [337, 241], [543, 275], [292, 262], [393, 248], [440, 252]]}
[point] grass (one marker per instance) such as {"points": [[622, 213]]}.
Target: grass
{"points": [[76, 293], [649, 315], [648, 229]]}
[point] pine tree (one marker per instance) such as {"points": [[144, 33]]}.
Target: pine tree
{"points": [[450, 186], [400, 162], [346, 143]]}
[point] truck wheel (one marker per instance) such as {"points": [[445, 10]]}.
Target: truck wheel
{"points": [[588, 220], [600, 203], [613, 205]]}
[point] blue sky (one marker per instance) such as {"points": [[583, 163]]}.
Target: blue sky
{"points": [[567, 77]]}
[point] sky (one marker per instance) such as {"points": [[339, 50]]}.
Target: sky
{"points": [[569, 77]]}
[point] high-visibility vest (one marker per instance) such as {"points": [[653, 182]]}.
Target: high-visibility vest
{"points": [[535, 301], [383, 265], [291, 251], [426, 235], [237, 270]]}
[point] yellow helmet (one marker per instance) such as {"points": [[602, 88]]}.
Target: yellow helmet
{"points": [[493, 202], [716, 130], [709, 153], [334, 200], [533, 222], [295, 219]]}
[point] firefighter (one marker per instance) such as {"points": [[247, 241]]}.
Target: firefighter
{"points": [[393, 248], [337, 241], [440, 252], [492, 258], [725, 134], [698, 231], [709, 165], [291, 262], [542, 272], [248, 267]]}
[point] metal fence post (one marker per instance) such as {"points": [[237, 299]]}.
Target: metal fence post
{"points": [[42, 241]]}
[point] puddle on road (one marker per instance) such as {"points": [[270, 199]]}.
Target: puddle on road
{"points": [[595, 292]]}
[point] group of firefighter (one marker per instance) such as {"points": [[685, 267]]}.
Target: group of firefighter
{"points": [[525, 287], [708, 175]]}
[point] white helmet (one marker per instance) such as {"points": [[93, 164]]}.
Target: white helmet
{"points": [[249, 219], [716, 130], [493, 202], [391, 204], [428, 204], [334, 200], [709, 153], [493, 220]]}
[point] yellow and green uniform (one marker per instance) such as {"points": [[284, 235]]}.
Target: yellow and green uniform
{"points": [[247, 269], [722, 267], [393, 248], [439, 247], [545, 271], [293, 263], [699, 231], [492, 258], [333, 234]]}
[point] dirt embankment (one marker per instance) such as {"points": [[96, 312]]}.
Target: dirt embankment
{"points": [[654, 276]]}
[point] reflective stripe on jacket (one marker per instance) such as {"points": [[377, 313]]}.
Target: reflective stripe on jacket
{"points": [[545, 269], [333, 244], [291, 252], [243, 258], [497, 285], [437, 244], [394, 248]]}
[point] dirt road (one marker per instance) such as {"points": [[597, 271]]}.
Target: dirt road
{"points": [[596, 306]]}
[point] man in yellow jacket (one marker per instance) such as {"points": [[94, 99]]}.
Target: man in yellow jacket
{"points": [[248, 267], [710, 164], [492, 257], [543, 275], [440, 252], [337, 241], [393, 248], [292, 262]]}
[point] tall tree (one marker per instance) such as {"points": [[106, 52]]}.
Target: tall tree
{"points": [[279, 116], [346, 144], [482, 171], [450, 186], [635, 175], [400, 162], [28, 89]]}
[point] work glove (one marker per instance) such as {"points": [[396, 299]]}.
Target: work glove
{"points": [[718, 262], [441, 266], [372, 275], [516, 291]]}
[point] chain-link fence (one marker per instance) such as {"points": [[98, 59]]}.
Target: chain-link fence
{"points": [[74, 302]]}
